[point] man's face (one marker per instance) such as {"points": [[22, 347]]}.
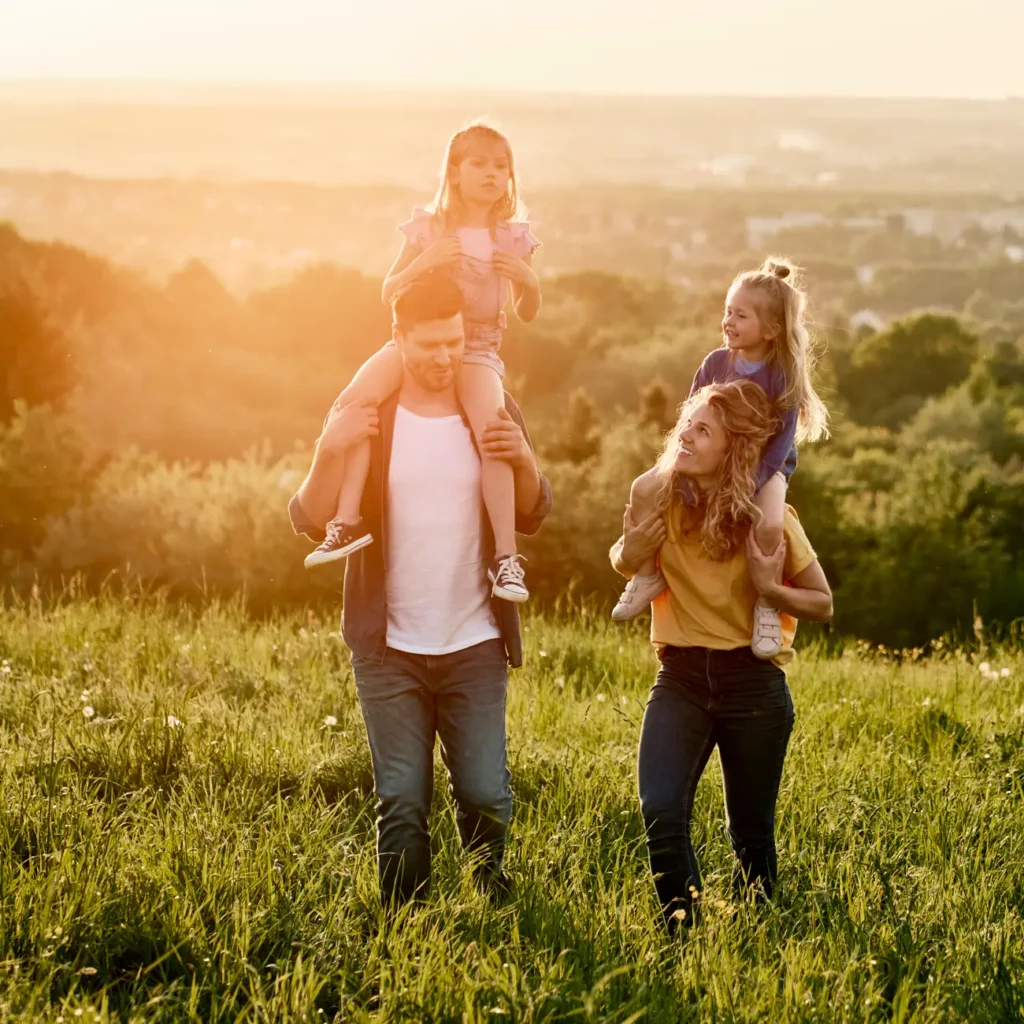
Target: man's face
{"points": [[432, 351]]}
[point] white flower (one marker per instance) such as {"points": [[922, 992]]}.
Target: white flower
{"points": [[601, 698], [173, 722], [5, 667], [983, 668], [1004, 672], [543, 654], [560, 682], [623, 700], [87, 666], [330, 721], [85, 696], [88, 711]]}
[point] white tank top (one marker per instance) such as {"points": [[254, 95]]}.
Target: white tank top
{"points": [[437, 591]]}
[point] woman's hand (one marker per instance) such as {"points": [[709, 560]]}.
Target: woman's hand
{"points": [[640, 541], [765, 570], [518, 271]]}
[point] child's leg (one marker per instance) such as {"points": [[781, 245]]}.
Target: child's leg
{"points": [[378, 378], [766, 638], [482, 396], [648, 582], [643, 497], [771, 502]]}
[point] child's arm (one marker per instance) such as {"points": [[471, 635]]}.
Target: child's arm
{"points": [[412, 262], [777, 450], [709, 371], [525, 284]]}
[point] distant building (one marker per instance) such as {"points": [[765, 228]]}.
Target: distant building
{"points": [[760, 229], [866, 318]]}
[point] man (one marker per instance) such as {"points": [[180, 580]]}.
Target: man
{"points": [[430, 648]]}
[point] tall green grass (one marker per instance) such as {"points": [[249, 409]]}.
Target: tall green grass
{"points": [[186, 833]]}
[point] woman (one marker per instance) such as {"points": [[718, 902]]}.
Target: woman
{"points": [[711, 690]]}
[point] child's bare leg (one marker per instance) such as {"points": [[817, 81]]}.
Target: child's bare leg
{"points": [[482, 397], [771, 502], [378, 378], [643, 499], [481, 394], [648, 582]]}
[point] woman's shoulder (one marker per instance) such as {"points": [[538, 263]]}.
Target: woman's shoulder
{"points": [[516, 237]]}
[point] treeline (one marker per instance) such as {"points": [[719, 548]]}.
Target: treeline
{"points": [[158, 430]]}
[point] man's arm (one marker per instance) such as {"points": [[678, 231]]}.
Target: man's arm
{"points": [[316, 501]]}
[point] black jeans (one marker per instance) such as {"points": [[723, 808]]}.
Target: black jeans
{"points": [[407, 701], [701, 699]]}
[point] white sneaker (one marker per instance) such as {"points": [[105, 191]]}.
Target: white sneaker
{"points": [[766, 639], [507, 576], [639, 593]]}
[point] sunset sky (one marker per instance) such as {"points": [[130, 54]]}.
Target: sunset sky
{"points": [[799, 47]]}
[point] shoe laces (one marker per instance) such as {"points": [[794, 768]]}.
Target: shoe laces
{"points": [[509, 569], [333, 533]]}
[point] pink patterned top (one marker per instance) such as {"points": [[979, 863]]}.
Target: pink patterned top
{"points": [[486, 293]]}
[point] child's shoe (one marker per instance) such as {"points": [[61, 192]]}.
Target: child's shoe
{"points": [[766, 640], [639, 593], [507, 576], [342, 540]]}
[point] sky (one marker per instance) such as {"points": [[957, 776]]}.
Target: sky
{"points": [[944, 48]]}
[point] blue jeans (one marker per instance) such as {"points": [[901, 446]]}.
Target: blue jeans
{"points": [[406, 701], [701, 699]]}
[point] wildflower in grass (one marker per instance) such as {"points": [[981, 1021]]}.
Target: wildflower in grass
{"points": [[5, 667], [330, 722], [84, 698], [543, 654], [1004, 672], [623, 700], [560, 682], [984, 667], [88, 711], [173, 722], [601, 698]]}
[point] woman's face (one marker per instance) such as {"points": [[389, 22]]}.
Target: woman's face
{"points": [[482, 174], [701, 443]]}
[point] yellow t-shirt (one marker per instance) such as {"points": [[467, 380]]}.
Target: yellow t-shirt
{"points": [[711, 604]]}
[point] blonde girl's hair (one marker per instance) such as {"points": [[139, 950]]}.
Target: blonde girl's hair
{"points": [[725, 511], [783, 314], [447, 202]]}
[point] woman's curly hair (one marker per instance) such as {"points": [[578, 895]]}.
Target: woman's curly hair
{"points": [[725, 512]]}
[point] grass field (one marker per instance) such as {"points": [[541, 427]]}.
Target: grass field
{"points": [[186, 834]]}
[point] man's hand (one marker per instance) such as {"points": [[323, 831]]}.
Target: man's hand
{"points": [[348, 425], [765, 570], [503, 440], [641, 540]]}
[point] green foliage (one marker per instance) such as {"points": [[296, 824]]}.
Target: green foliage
{"points": [[891, 373], [186, 834]]}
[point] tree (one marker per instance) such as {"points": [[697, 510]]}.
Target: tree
{"points": [[35, 359], [656, 407], [892, 372], [580, 439]]}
